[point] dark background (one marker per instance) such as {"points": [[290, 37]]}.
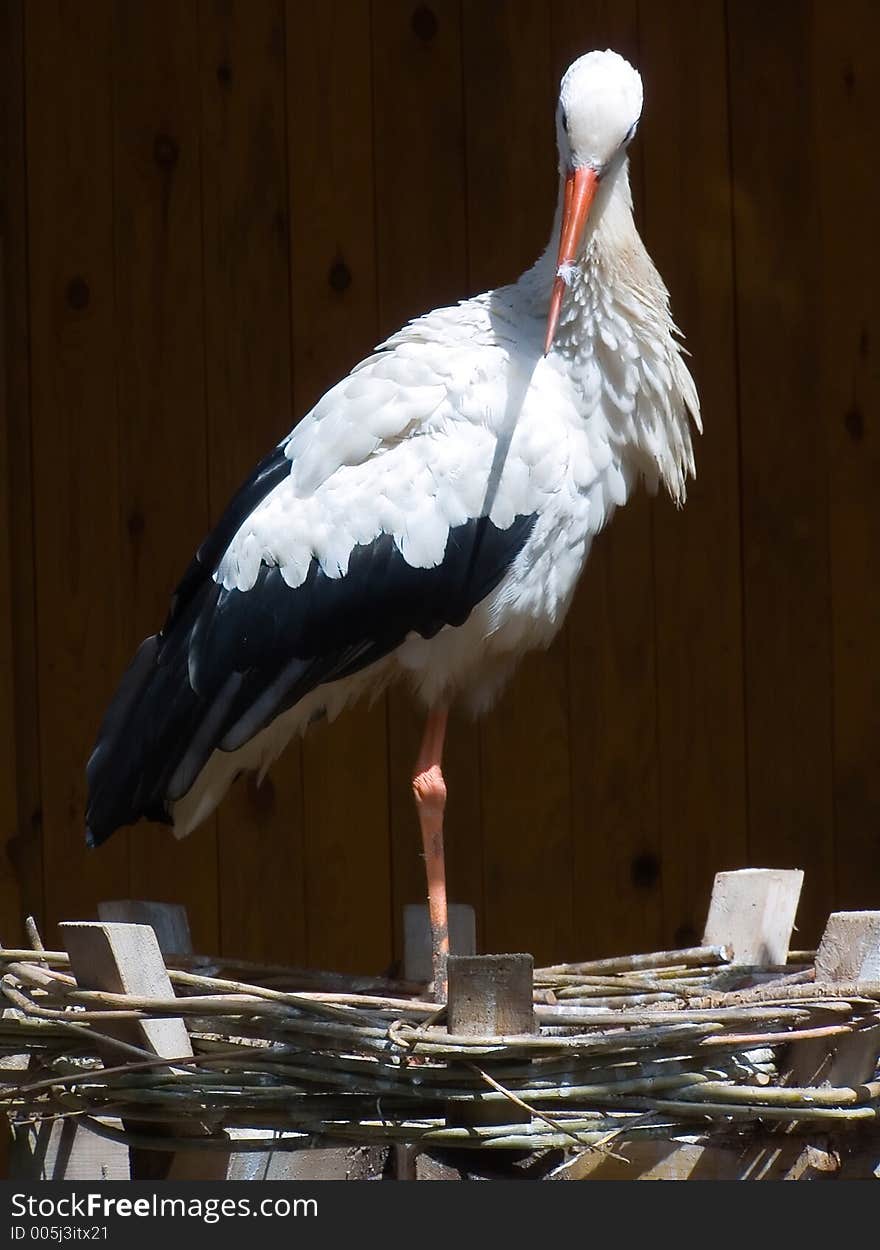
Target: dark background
{"points": [[210, 212]]}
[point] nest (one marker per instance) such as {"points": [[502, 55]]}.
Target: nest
{"points": [[651, 1046]]}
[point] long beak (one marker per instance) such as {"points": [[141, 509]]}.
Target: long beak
{"points": [[580, 188]]}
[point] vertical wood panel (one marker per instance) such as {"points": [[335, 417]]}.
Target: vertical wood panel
{"points": [[784, 484], [334, 316], [421, 242], [526, 785], [612, 662], [233, 202], [22, 888], [845, 62], [76, 469], [10, 890], [697, 567], [248, 350], [421, 260], [160, 376]]}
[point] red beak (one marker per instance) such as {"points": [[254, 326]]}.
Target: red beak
{"points": [[580, 188]]}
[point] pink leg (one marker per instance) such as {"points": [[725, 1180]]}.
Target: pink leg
{"points": [[429, 790]]}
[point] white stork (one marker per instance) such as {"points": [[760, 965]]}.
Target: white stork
{"points": [[429, 518]]}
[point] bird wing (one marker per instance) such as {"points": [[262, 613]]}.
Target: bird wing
{"points": [[367, 524]]}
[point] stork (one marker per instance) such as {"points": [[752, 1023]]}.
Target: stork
{"points": [[428, 520]]}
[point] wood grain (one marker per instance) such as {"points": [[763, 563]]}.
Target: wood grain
{"points": [[209, 213], [687, 227], [78, 508], [10, 890], [845, 64], [22, 841], [786, 583], [330, 125], [248, 355], [160, 377]]}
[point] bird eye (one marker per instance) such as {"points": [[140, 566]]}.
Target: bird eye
{"points": [[563, 119]]}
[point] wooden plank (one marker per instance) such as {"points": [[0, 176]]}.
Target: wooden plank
{"points": [[509, 105], [419, 159], [526, 785], [248, 354], [170, 925], [849, 951], [329, 112], [786, 587], [611, 653], [159, 354], [77, 505], [122, 958], [10, 891], [65, 1150], [22, 871], [845, 71], [489, 996], [850, 947], [421, 264], [687, 228], [753, 911]]}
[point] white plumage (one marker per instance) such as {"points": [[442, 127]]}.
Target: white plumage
{"points": [[458, 416]]}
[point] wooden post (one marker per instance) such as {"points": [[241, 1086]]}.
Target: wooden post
{"points": [[125, 959], [753, 910], [61, 1149], [170, 923], [489, 995], [849, 951]]}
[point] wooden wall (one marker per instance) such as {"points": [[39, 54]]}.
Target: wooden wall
{"points": [[210, 211]]}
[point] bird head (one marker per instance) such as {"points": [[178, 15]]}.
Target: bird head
{"points": [[600, 102]]}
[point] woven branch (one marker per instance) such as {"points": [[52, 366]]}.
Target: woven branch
{"points": [[670, 1043]]}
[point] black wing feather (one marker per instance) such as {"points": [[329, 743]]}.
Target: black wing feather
{"points": [[229, 661]]}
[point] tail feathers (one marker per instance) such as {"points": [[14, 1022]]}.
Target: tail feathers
{"points": [[152, 721]]}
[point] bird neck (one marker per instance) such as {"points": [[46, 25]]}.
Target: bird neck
{"points": [[616, 339], [610, 241]]}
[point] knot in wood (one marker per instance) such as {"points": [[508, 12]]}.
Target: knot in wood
{"points": [[136, 524], [855, 423], [165, 150], [424, 23], [339, 276], [685, 936], [78, 293], [644, 871]]}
